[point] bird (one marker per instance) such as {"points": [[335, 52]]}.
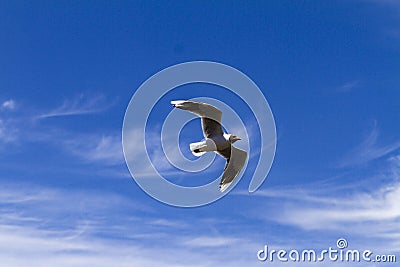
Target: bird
{"points": [[215, 139]]}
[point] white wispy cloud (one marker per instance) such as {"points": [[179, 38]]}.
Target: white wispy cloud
{"points": [[82, 228], [319, 212], [207, 241], [369, 149], [92, 147], [134, 139], [348, 86], [139, 163], [106, 149], [54, 250], [168, 223], [79, 105], [8, 132], [91, 227], [367, 211], [8, 104], [101, 252]]}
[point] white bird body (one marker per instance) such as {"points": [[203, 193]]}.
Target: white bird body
{"points": [[215, 139]]}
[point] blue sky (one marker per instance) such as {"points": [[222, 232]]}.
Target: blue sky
{"points": [[68, 69]]}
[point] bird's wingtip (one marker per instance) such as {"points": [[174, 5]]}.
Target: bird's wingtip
{"points": [[177, 102], [223, 187]]}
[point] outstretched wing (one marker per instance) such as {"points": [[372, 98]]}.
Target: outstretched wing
{"points": [[233, 166], [210, 116]]}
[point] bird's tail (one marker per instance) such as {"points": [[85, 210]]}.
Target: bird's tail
{"points": [[197, 148], [178, 103], [200, 148]]}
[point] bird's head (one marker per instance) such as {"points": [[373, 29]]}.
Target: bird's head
{"points": [[233, 138]]}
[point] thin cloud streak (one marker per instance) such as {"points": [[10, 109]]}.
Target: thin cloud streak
{"points": [[368, 150], [348, 86], [206, 241], [79, 106]]}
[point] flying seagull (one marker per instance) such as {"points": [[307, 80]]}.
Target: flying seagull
{"points": [[215, 139]]}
